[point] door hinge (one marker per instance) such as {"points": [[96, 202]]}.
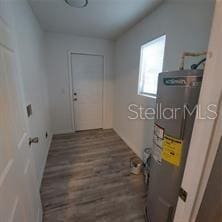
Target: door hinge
{"points": [[183, 194]]}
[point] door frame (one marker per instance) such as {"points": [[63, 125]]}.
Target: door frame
{"points": [[70, 79], [206, 133]]}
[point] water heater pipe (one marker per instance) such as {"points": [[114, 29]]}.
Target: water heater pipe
{"points": [[190, 54]]}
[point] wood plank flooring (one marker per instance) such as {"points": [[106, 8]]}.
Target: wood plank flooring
{"points": [[87, 179]]}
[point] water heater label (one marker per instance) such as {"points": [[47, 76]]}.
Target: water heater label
{"points": [[183, 81], [158, 131], [172, 150], [158, 143], [157, 153]]}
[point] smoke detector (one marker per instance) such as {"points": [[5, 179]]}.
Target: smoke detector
{"points": [[77, 3]]}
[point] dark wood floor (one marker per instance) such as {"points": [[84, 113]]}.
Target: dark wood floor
{"points": [[87, 179]]}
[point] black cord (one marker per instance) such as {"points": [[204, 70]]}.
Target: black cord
{"points": [[195, 66]]}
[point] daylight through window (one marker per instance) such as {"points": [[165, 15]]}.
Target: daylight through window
{"points": [[151, 64]]}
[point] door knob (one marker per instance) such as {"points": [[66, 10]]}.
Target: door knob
{"points": [[33, 140], [75, 99]]}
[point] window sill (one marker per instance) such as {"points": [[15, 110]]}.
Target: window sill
{"points": [[148, 95]]}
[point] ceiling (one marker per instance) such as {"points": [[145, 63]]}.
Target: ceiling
{"points": [[101, 18]]}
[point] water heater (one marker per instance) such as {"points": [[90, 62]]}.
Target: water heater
{"points": [[177, 99]]}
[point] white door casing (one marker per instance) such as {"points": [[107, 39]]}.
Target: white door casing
{"points": [[19, 195], [206, 133], [87, 90]]}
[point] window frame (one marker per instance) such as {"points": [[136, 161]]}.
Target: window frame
{"points": [[140, 82]]}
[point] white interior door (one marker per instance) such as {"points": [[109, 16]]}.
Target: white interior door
{"points": [[19, 195], [87, 76]]}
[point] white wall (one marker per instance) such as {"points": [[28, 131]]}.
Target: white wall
{"points": [[57, 47], [187, 27], [29, 44]]}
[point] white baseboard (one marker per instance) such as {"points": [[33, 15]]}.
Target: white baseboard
{"points": [[44, 161], [39, 215], [63, 131]]}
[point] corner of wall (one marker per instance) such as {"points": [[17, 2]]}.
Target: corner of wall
{"points": [[128, 143]]}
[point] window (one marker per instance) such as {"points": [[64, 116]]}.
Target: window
{"points": [[151, 64]]}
